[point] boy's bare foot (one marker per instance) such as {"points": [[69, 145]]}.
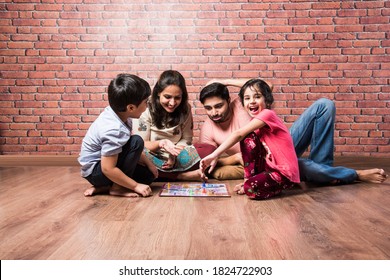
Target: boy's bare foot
{"points": [[122, 191], [93, 190], [375, 175]]}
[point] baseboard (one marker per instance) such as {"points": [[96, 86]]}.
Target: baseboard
{"points": [[38, 160]]}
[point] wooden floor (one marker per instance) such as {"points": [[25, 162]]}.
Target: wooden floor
{"points": [[44, 215]]}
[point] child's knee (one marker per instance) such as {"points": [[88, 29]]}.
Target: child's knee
{"points": [[137, 143]]}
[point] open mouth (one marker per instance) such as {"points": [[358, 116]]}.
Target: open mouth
{"points": [[253, 109]]}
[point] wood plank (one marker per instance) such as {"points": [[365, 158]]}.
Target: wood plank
{"points": [[44, 215], [38, 160]]}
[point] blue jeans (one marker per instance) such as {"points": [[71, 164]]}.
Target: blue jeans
{"points": [[128, 163], [315, 128]]}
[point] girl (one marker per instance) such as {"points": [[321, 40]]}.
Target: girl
{"points": [[166, 126], [270, 161]]}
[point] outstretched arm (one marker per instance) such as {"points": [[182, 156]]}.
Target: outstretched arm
{"points": [[235, 82], [229, 82], [212, 159]]}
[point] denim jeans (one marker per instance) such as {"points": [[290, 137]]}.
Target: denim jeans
{"points": [[127, 163], [315, 128]]}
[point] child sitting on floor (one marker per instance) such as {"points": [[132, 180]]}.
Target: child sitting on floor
{"points": [[111, 158], [270, 161]]}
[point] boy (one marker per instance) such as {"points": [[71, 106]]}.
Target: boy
{"points": [[112, 159]]}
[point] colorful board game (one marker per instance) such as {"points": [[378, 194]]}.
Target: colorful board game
{"points": [[194, 190]]}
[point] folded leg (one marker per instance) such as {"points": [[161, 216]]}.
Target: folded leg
{"points": [[315, 128]]}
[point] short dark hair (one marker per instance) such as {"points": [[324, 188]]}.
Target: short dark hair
{"points": [[259, 86], [214, 89], [160, 117], [127, 89]]}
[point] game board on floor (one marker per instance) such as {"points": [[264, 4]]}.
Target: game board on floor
{"points": [[194, 190]]}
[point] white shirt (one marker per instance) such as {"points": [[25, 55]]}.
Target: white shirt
{"points": [[105, 137]]}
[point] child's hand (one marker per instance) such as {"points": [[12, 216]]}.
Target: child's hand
{"points": [[143, 190]]}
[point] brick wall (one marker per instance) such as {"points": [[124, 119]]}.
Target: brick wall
{"points": [[58, 56]]}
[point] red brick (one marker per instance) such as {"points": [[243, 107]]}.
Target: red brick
{"points": [[374, 141], [333, 49], [384, 150], [50, 148], [326, 5]]}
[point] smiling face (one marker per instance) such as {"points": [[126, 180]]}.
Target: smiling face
{"points": [[170, 98], [217, 109], [253, 101]]}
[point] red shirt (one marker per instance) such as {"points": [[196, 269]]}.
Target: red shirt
{"points": [[279, 144]]}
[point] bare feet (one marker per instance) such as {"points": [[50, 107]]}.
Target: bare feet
{"points": [[170, 163], [122, 191], [194, 175], [239, 188], [93, 190], [239, 159], [375, 175], [115, 190]]}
